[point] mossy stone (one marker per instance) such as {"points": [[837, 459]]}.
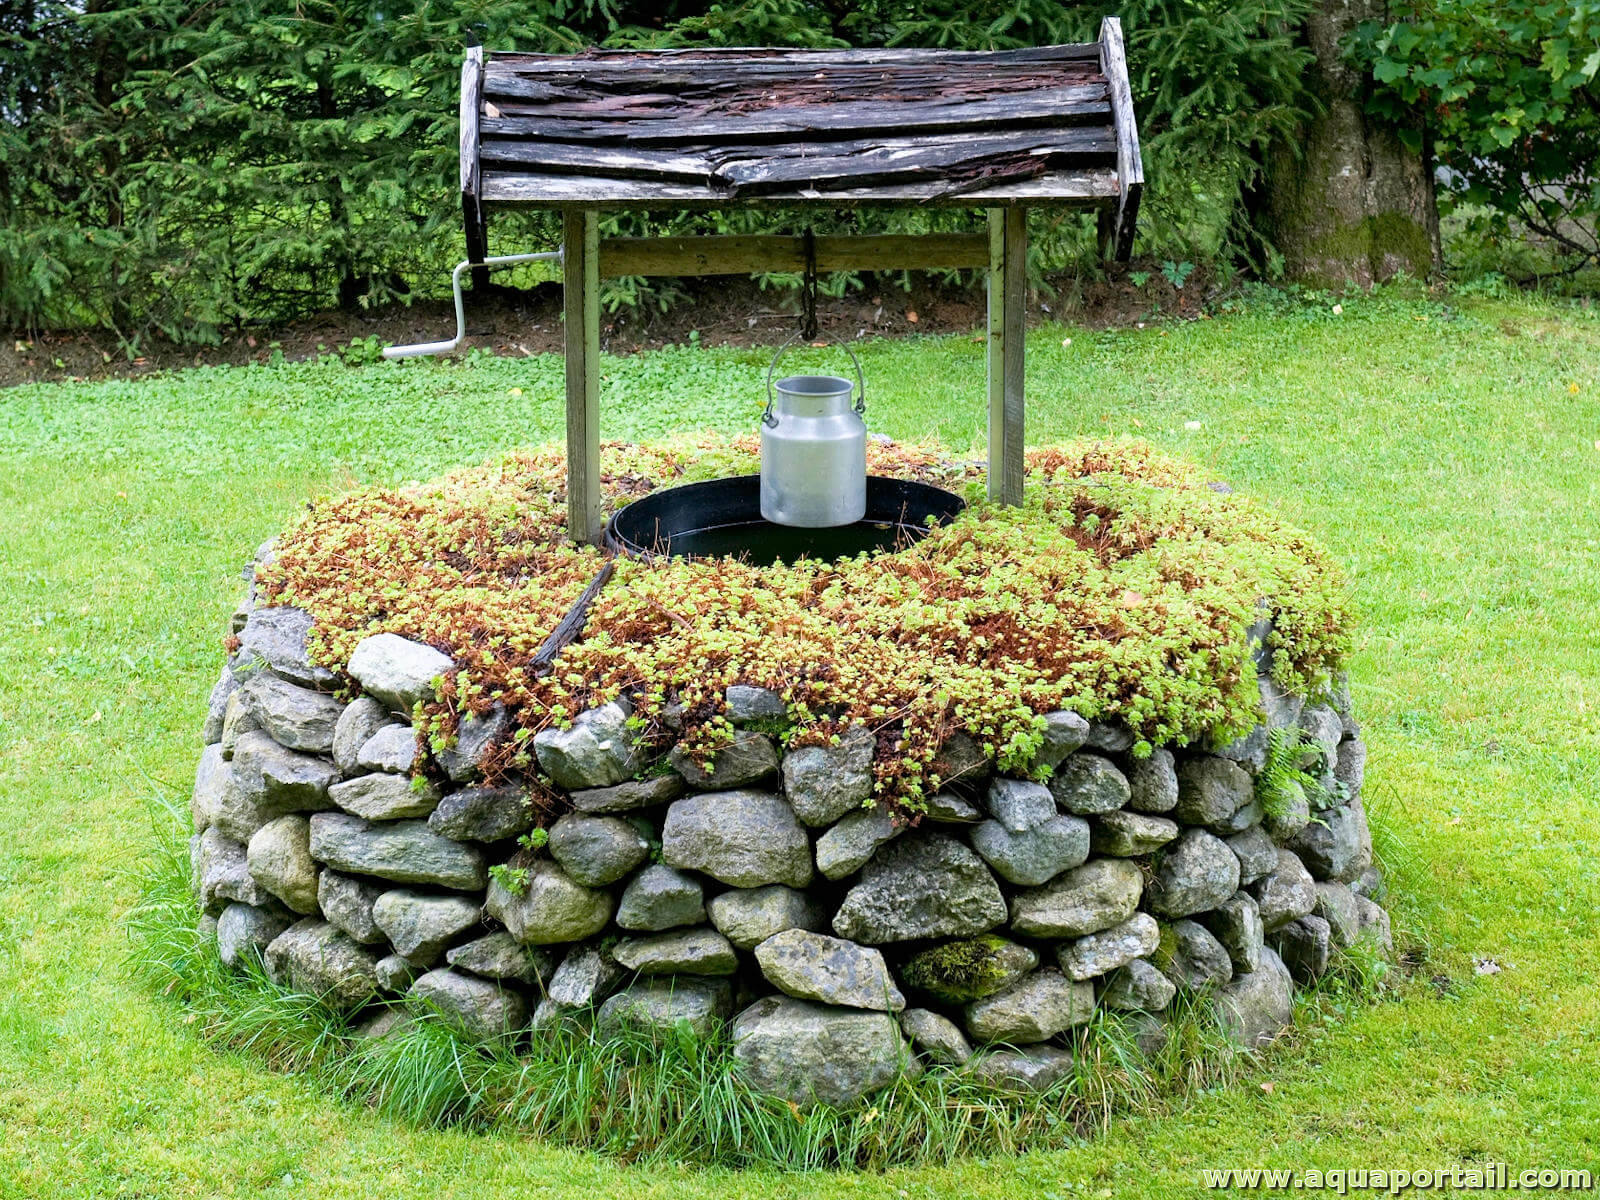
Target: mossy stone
{"points": [[963, 971]]}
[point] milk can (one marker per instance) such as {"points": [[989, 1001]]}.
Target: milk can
{"points": [[814, 449]]}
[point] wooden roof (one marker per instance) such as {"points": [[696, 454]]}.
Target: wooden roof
{"points": [[716, 128]]}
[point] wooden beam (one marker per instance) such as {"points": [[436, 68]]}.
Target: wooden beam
{"points": [[1008, 285], [1130, 166], [472, 219], [581, 296], [751, 255]]}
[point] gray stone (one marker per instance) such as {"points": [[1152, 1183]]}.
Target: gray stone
{"points": [[494, 814], [749, 916], [1282, 709], [1036, 856], [384, 797], [1032, 1069], [1033, 1009], [211, 777], [938, 1037], [278, 780], [595, 851], [1153, 783], [808, 1053], [1290, 813], [585, 977], [401, 851], [552, 908], [751, 758], [279, 858], [698, 951], [846, 847], [238, 719], [1336, 904], [741, 838], [1332, 846], [387, 1022], [598, 750], [1130, 834], [475, 736], [1257, 1006], [1236, 923], [661, 897], [1287, 893], [393, 748], [823, 783], [1373, 924], [222, 873], [275, 638], [244, 929], [949, 808], [420, 927], [1064, 732], [960, 972], [1101, 953], [1211, 792], [962, 763], [745, 703], [360, 719], [1101, 893], [1350, 766], [1256, 853], [1087, 784], [630, 796], [296, 717], [1190, 957], [1370, 884], [1018, 805], [1306, 947], [1138, 987], [498, 955], [1249, 750], [1109, 738], [658, 1007], [396, 972], [398, 671], [814, 966], [923, 885], [217, 707], [1323, 730], [347, 903], [317, 959], [482, 1010], [1195, 873], [1149, 1031]]}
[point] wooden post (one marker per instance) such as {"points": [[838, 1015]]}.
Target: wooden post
{"points": [[581, 296], [471, 172], [1008, 283]]}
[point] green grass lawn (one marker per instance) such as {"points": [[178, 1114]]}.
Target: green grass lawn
{"points": [[1449, 455]]}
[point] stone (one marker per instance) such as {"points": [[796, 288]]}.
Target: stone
{"points": [[393, 748], [386, 1023], [1153, 783], [244, 929], [661, 897], [1249, 750], [475, 736], [1350, 766], [384, 797], [1306, 947], [658, 1007], [1036, 856], [1287, 893], [938, 1037], [585, 977], [361, 718], [1256, 852], [211, 777], [1064, 732], [1100, 953], [741, 838], [751, 758], [318, 959], [222, 873], [1257, 1006], [238, 719], [1087, 784], [279, 858], [401, 851], [1149, 1031], [630, 796], [476, 1007], [275, 639], [1138, 987], [698, 951], [1290, 813], [1032, 1069], [396, 972], [961, 763], [498, 955], [217, 707], [494, 814], [1033, 1009], [1109, 738], [1324, 730], [398, 671], [960, 972], [597, 750], [595, 851], [923, 885], [807, 1053], [278, 780], [1282, 709], [1101, 893], [829, 970], [1195, 873], [749, 916], [1236, 924], [845, 849], [420, 927], [1331, 846], [1190, 957], [1373, 924], [1212, 792], [746, 703], [1370, 884], [823, 783], [951, 808], [1130, 834], [1018, 805], [552, 908], [1336, 904], [347, 903], [296, 717]]}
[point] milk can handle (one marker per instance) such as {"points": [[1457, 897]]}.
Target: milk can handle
{"points": [[861, 380]]}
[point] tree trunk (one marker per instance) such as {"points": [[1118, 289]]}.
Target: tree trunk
{"points": [[1348, 201]]}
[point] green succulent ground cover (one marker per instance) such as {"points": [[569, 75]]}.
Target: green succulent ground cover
{"points": [[1444, 452]]}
